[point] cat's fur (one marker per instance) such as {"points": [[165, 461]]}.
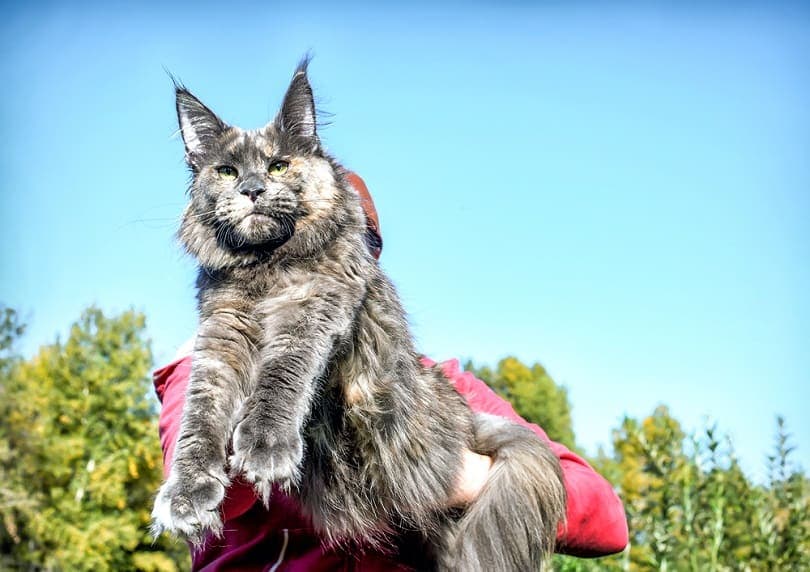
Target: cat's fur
{"points": [[304, 373]]}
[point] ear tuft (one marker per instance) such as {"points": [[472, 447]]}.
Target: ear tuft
{"points": [[199, 126], [297, 116]]}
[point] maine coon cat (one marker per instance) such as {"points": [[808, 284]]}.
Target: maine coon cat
{"points": [[304, 372]]}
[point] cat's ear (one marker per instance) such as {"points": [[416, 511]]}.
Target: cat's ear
{"points": [[297, 116], [199, 126]]}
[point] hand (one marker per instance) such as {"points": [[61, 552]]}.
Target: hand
{"points": [[471, 479]]}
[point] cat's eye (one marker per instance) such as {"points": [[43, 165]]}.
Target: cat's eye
{"points": [[227, 172], [278, 168]]}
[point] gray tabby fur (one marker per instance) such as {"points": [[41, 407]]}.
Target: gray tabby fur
{"points": [[304, 373]]}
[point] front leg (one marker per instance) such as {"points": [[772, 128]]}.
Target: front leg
{"points": [[268, 443], [188, 502]]}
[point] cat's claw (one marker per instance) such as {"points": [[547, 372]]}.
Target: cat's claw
{"points": [[263, 458], [189, 507]]}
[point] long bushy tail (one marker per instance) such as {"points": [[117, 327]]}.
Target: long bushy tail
{"points": [[512, 525]]}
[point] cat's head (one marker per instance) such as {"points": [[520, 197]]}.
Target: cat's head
{"points": [[254, 193]]}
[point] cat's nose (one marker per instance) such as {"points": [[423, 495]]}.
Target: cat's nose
{"points": [[252, 192]]}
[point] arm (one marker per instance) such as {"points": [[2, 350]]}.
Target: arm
{"points": [[596, 524]]}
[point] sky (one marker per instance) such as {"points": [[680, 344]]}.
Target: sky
{"points": [[617, 190]]}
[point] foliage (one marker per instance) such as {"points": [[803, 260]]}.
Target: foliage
{"points": [[79, 458], [534, 395], [80, 461], [691, 507]]}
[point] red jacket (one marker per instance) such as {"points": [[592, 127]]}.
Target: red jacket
{"points": [[281, 539]]}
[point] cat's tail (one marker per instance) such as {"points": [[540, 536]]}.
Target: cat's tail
{"points": [[513, 523]]}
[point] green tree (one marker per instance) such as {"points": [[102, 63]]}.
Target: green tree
{"points": [[79, 444], [534, 395], [14, 496], [782, 517], [691, 507], [652, 461]]}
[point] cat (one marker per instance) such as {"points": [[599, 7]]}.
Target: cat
{"points": [[304, 372]]}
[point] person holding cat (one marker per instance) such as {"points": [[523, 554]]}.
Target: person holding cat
{"points": [[280, 538]]}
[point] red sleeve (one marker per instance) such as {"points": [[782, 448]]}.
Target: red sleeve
{"points": [[596, 524], [170, 385]]}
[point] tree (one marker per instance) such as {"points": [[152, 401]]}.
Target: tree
{"points": [[79, 442], [14, 497], [652, 462], [691, 507], [783, 510], [534, 395]]}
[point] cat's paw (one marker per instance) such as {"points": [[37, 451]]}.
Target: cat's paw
{"points": [[264, 457], [188, 506]]}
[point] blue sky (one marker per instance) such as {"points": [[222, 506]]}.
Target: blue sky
{"points": [[620, 191]]}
